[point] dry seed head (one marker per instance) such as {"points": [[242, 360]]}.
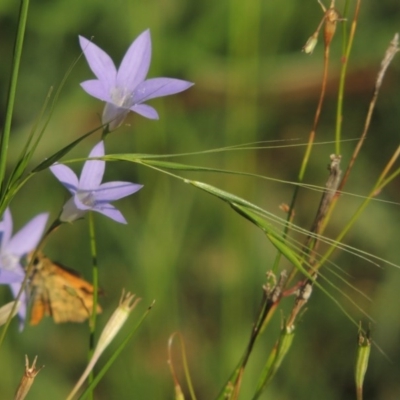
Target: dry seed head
{"points": [[27, 379]]}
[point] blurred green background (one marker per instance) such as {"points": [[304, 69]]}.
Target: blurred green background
{"points": [[203, 264]]}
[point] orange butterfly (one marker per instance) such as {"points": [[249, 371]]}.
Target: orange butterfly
{"points": [[59, 292]]}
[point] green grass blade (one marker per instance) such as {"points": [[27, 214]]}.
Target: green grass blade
{"points": [[19, 41], [275, 359], [363, 353], [61, 153]]}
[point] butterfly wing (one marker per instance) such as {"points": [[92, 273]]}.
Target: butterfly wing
{"points": [[60, 293], [40, 300]]}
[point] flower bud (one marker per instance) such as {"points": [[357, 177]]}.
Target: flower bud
{"points": [[308, 48], [116, 321]]}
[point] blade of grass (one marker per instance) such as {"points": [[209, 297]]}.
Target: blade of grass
{"points": [[5, 137], [274, 361], [178, 390]]}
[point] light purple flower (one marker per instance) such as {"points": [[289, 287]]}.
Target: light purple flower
{"points": [[88, 193], [126, 89], [12, 248]]}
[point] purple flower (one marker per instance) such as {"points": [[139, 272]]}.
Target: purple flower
{"points": [[126, 89], [12, 248], [88, 193]]}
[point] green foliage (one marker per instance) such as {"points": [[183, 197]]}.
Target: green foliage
{"points": [[204, 266]]}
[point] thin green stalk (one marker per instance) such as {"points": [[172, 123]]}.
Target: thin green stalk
{"points": [[19, 40], [189, 383], [26, 153], [342, 81], [345, 61], [389, 179], [344, 27], [32, 142], [328, 35], [95, 269]]}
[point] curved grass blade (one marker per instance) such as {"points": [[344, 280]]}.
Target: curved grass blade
{"points": [[274, 238], [65, 150], [19, 41], [178, 390], [26, 153]]}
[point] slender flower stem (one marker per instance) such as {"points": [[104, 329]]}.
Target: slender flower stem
{"points": [[330, 19], [93, 318], [19, 40], [347, 46]]}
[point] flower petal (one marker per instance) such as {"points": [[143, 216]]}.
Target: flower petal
{"points": [[114, 116], [7, 226], [136, 62], [111, 212], [158, 87], [106, 209], [66, 176], [15, 288], [7, 276], [93, 171], [96, 89], [111, 191], [99, 62], [145, 111], [28, 237]]}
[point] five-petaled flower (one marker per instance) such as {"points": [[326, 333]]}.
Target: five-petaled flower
{"points": [[13, 248], [126, 89], [89, 194]]}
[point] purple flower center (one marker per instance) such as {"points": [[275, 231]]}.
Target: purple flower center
{"points": [[87, 197], [8, 261], [122, 97]]}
